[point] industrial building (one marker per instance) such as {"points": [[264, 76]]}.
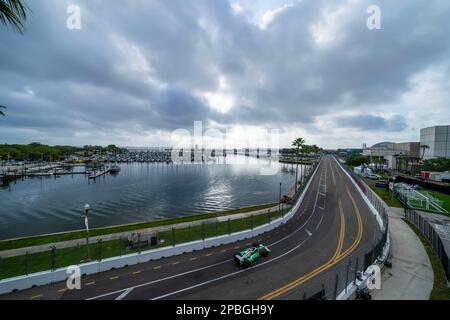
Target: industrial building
{"points": [[391, 152], [437, 140]]}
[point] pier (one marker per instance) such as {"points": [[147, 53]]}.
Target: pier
{"points": [[10, 172], [98, 173]]}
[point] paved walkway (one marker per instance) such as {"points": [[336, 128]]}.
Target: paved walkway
{"points": [[411, 276], [115, 236]]}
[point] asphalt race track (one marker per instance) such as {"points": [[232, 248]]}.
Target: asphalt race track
{"points": [[332, 226]]}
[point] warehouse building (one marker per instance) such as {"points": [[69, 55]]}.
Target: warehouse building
{"points": [[392, 152], [437, 140]]}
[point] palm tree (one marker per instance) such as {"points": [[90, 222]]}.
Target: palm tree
{"points": [[13, 12], [299, 144], [1, 112], [424, 147]]}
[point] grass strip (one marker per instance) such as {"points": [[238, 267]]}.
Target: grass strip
{"points": [[42, 261], [80, 234], [386, 196]]}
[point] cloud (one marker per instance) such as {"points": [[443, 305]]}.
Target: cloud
{"points": [[365, 122], [133, 73]]}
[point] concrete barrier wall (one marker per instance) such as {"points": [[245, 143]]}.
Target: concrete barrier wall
{"points": [[48, 277]]}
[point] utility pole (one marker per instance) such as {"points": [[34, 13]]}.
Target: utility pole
{"points": [[86, 222], [279, 199]]}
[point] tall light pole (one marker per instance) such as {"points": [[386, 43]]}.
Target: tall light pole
{"points": [[86, 222], [279, 200]]}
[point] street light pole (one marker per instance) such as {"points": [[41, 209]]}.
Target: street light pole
{"points": [[279, 200], [86, 222]]}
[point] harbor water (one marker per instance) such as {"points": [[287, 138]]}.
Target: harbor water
{"points": [[140, 192]]}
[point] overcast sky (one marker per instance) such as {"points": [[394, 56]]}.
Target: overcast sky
{"points": [[135, 72]]}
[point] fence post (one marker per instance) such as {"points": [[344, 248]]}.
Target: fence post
{"points": [[27, 264], [173, 236], [356, 270], [100, 249], [346, 275], [336, 286], [203, 231], [53, 258]]}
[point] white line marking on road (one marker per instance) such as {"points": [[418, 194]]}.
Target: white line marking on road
{"points": [[162, 279], [308, 232], [320, 221], [124, 294], [231, 274]]}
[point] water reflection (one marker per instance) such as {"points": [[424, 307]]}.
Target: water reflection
{"points": [[140, 192]]}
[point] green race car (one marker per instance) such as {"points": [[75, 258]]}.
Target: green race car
{"points": [[250, 256]]}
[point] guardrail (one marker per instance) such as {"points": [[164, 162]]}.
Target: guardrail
{"points": [[431, 234], [48, 277]]}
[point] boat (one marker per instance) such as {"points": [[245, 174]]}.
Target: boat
{"points": [[114, 169]]}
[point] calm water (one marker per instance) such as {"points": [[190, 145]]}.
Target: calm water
{"points": [[140, 192]]}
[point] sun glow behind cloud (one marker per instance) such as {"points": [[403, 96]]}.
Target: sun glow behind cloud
{"points": [[309, 68]]}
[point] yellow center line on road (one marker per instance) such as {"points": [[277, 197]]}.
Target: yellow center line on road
{"points": [[114, 278], [330, 263], [36, 297], [359, 221], [137, 272], [62, 290], [209, 255], [193, 259], [89, 283], [175, 263], [224, 250], [157, 267], [316, 271], [342, 232]]}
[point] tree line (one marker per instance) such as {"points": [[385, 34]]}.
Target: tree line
{"points": [[37, 151]]}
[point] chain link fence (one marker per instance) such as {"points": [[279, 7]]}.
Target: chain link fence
{"points": [[432, 235]]}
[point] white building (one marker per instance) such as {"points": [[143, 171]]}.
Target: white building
{"points": [[390, 151], [437, 138]]}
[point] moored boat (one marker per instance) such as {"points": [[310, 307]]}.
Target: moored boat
{"points": [[114, 169]]}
